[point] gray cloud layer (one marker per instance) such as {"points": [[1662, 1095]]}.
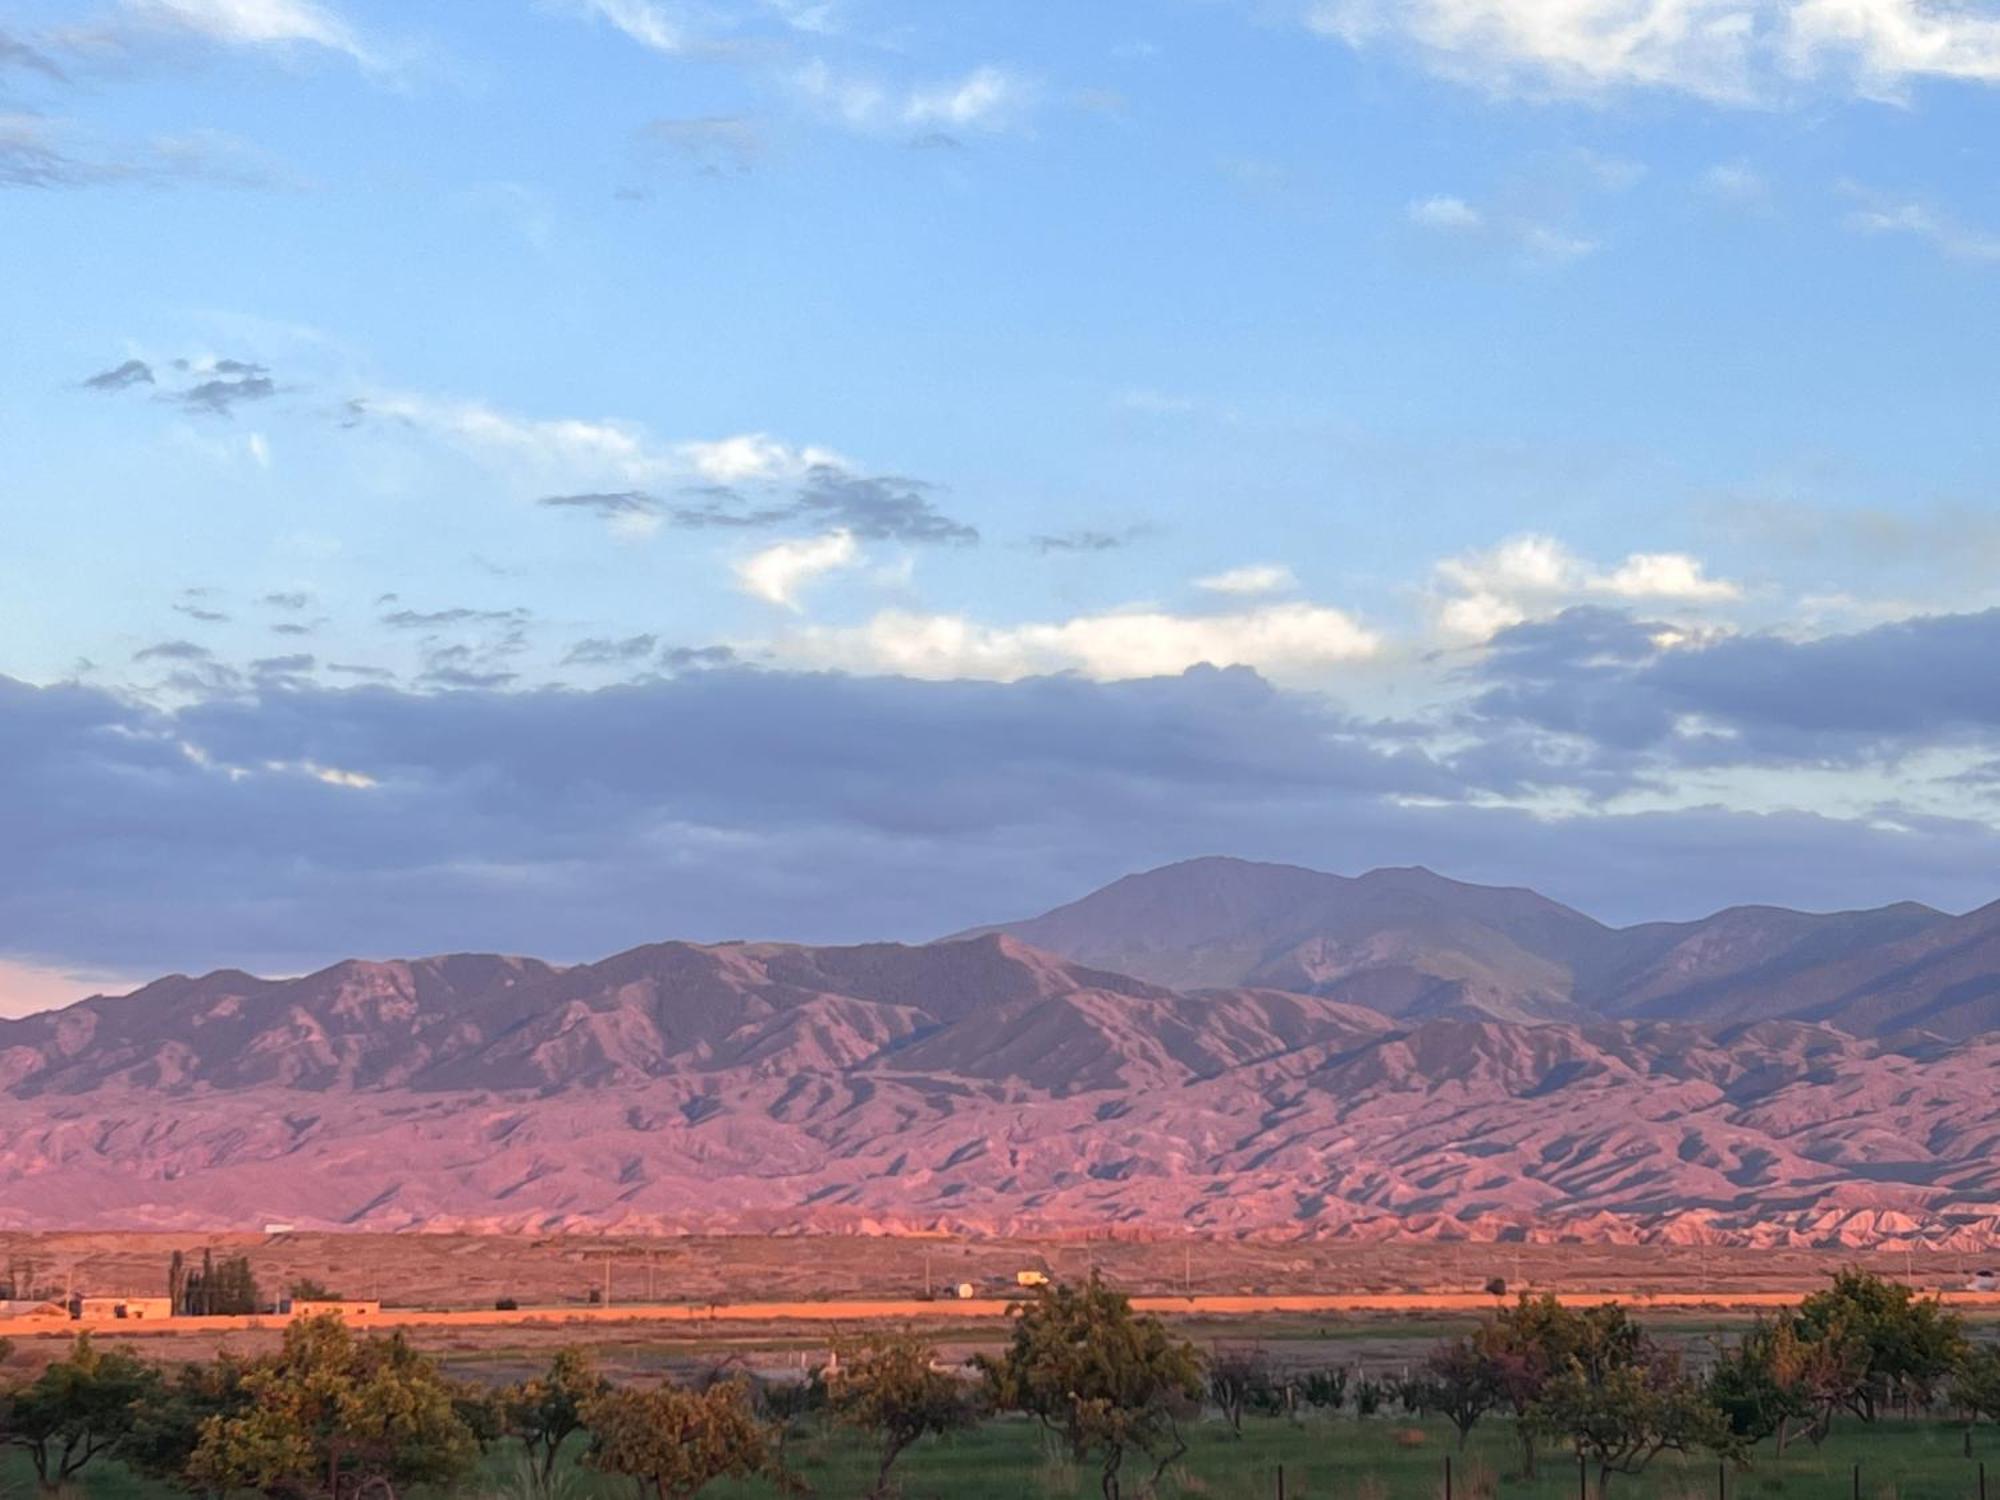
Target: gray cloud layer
{"points": [[730, 802]]}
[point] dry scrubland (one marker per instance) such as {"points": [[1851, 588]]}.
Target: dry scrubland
{"points": [[470, 1271]]}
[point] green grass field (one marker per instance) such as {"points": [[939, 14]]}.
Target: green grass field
{"points": [[1336, 1459]]}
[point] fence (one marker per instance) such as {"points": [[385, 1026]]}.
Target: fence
{"points": [[1722, 1490]]}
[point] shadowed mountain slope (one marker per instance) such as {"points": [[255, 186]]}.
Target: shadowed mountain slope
{"points": [[1518, 1071]]}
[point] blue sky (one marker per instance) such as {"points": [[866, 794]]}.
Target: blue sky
{"points": [[1566, 424]]}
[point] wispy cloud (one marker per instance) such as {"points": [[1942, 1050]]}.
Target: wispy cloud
{"points": [[1527, 241], [118, 377], [711, 145], [1086, 540], [133, 29], [1932, 226], [38, 152], [779, 572], [1736, 52], [1255, 578], [988, 99], [872, 507]]}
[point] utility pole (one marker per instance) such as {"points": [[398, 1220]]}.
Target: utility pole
{"points": [[607, 1278], [1187, 1270], [927, 1273]]}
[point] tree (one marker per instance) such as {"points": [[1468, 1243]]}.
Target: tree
{"points": [[1527, 1345], [309, 1289], [1976, 1386], [890, 1386], [1623, 1416], [1779, 1373], [218, 1289], [332, 1417], [545, 1411], [1911, 1342], [75, 1410], [1238, 1375], [1102, 1378], [1460, 1381], [167, 1421], [673, 1442]]}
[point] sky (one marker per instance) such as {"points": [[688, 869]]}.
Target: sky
{"points": [[552, 475]]}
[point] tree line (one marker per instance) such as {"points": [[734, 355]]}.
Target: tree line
{"points": [[333, 1415]]}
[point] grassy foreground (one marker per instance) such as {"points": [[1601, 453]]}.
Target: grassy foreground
{"points": [[1323, 1458]]}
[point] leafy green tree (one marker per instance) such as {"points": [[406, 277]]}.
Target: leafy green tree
{"points": [[890, 1386], [1622, 1416], [1780, 1373], [1107, 1381], [1459, 1381], [332, 1417], [1976, 1386], [674, 1443], [1912, 1343], [1527, 1345], [544, 1412], [167, 1421], [75, 1411]]}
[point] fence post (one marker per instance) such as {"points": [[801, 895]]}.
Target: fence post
{"points": [[1721, 1479], [1281, 1482], [1582, 1478], [1982, 1479], [1447, 1477], [1857, 1481]]}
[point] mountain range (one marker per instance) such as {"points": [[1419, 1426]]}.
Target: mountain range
{"points": [[1217, 1045]]}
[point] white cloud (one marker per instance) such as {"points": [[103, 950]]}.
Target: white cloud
{"points": [[1729, 51], [1452, 215], [1479, 593], [1256, 578], [985, 99], [582, 451], [777, 573], [644, 21], [1530, 243], [1281, 640], [677, 28], [1737, 183], [988, 98], [1892, 41], [1938, 230], [252, 23]]}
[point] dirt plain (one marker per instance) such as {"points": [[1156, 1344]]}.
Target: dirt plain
{"points": [[670, 1299]]}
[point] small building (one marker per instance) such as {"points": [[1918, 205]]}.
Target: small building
{"points": [[343, 1307], [137, 1309], [281, 1229], [1031, 1278], [1985, 1281], [965, 1291]]}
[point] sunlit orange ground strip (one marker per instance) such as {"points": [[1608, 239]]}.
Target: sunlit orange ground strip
{"points": [[912, 1310]]}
